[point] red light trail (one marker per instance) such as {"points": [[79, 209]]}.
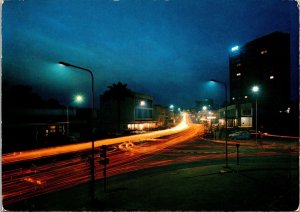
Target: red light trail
{"points": [[23, 183]]}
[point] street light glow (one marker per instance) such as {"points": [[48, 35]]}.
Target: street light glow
{"points": [[64, 64], [78, 98], [204, 108], [255, 88]]}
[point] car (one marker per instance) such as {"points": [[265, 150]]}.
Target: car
{"points": [[239, 135]]}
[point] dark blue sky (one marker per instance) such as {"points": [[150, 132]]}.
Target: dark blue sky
{"points": [[167, 49]]}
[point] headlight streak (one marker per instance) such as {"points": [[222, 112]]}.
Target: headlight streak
{"points": [[67, 173], [11, 158], [20, 184]]}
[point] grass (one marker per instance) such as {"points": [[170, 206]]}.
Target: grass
{"points": [[259, 183]]}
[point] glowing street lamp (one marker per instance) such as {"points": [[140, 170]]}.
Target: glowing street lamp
{"points": [[255, 90], [77, 99], [204, 108], [92, 126], [226, 147]]}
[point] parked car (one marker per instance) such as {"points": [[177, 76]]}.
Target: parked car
{"points": [[239, 135]]}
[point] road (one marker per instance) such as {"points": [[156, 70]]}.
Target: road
{"points": [[16, 157], [129, 153], [178, 145]]}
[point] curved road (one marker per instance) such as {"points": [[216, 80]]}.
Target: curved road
{"points": [[133, 154], [52, 151]]}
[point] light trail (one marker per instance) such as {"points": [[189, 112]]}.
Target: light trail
{"points": [[20, 184], [15, 157], [59, 175], [23, 183]]}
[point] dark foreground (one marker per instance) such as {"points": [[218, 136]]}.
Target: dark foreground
{"points": [[258, 183]]}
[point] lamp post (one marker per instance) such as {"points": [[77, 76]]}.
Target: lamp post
{"points": [[226, 139], [92, 126], [255, 90], [78, 99]]}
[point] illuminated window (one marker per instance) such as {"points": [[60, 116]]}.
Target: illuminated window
{"points": [[52, 129], [235, 48], [238, 74], [238, 65], [264, 52], [142, 103], [272, 77]]}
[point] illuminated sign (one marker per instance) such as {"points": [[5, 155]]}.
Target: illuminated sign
{"points": [[235, 48]]}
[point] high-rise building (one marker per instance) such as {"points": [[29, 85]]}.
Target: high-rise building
{"points": [[263, 62]]}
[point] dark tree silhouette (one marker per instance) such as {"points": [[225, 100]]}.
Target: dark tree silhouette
{"points": [[22, 96], [118, 92]]}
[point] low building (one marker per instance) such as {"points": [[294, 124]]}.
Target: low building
{"points": [[237, 115], [130, 114], [29, 128], [161, 115]]}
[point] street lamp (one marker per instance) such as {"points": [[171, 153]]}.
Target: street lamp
{"points": [[226, 146], [92, 125], [77, 99], [255, 90]]}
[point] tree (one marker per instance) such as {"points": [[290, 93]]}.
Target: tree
{"points": [[118, 92]]}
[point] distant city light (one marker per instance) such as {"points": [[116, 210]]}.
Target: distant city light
{"points": [[235, 48], [246, 97], [171, 107], [271, 77], [204, 108]]}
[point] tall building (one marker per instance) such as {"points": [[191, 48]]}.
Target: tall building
{"points": [[264, 62]]}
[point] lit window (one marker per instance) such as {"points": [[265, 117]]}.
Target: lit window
{"points": [[52, 129], [271, 77], [235, 48], [238, 65], [238, 74], [264, 52], [142, 103]]}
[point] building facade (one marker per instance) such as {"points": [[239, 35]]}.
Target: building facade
{"points": [[263, 62], [134, 113]]}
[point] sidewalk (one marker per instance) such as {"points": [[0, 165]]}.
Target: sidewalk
{"points": [[259, 183]]}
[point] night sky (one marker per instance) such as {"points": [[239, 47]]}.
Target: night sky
{"points": [[167, 49]]}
